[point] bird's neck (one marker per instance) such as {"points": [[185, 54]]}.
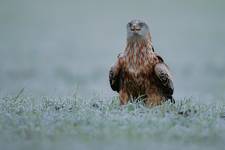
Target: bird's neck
{"points": [[138, 52], [138, 45]]}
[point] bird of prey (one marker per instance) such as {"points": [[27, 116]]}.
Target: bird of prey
{"points": [[139, 71]]}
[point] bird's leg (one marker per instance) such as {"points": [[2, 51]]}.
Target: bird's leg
{"points": [[153, 98], [123, 96]]}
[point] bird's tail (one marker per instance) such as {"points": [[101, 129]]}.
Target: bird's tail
{"points": [[172, 100]]}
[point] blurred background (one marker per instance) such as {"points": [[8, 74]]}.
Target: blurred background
{"points": [[53, 48]]}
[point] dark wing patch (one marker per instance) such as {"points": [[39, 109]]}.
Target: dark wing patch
{"points": [[153, 49], [159, 57], [115, 74], [163, 74], [114, 80]]}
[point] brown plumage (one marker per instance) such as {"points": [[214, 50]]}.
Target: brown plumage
{"points": [[139, 71]]}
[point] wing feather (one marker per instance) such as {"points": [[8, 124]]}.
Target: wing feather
{"points": [[114, 80], [163, 74], [115, 75]]}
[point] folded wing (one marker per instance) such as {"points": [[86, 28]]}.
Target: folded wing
{"points": [[115, 75], [114, 80], [163, 74]]}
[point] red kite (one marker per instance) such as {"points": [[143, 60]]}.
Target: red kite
{"points": [[139, 71]]}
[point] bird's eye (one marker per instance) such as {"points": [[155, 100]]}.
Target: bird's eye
{"points": [[129, 24], [141, 24]]}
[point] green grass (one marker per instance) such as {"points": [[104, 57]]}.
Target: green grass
{"points": [[99, 123]]}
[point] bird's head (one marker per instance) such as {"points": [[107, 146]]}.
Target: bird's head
{"points": [[137, 29]]}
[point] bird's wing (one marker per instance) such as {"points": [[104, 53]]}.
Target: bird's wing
{"points": [[163, 74], [115, 75]]}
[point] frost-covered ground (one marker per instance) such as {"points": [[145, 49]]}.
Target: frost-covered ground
{"points": [[99, 123]]}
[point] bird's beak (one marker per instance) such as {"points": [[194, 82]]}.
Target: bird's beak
{"points": [[135, 28]]}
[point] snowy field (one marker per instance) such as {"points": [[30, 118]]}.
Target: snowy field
{"points": [[76, 123]]}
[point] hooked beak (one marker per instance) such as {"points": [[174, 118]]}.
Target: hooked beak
{"points": [[135, 28]]}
